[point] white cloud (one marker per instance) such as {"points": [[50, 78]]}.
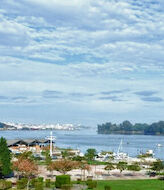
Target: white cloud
{"points": [[13, 33], [81, 47]]}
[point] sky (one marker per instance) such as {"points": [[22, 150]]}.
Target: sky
{"points": [[81, 61]]}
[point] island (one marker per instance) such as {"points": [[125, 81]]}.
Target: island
{"points": [[126, 127]]}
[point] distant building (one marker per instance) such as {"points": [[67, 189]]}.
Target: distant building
{"points": [[36, 146], [23, 145]]}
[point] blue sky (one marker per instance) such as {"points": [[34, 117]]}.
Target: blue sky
{"points": [[81, 61]]}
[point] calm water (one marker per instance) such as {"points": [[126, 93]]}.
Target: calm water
{"points": [[88, 138]]}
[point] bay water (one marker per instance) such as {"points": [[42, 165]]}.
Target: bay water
{"points": [[88, 138]]}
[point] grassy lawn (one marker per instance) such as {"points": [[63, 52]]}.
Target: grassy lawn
{"points": [[132, 185]]}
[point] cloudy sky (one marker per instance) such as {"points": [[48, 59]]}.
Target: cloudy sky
{"points": [[81, 61]]}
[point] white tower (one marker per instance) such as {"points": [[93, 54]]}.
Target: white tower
{"points": [[51, 138]]}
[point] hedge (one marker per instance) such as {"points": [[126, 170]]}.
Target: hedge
{"points": [[62, 180], [91, 184], [22, 183]]}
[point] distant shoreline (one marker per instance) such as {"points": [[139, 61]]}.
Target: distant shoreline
{"points": [[128, 128], [39, 129], [128, 133]]}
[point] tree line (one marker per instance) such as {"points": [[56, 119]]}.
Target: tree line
{"points": [[126, 127]]}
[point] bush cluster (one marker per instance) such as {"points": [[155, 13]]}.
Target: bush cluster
{"points": [[134, 167], [66, 187], [48, 183], [5, 184], [91, 184], [107, 187], [39, 186], [22, 183], [62, 180], [37, 183]]}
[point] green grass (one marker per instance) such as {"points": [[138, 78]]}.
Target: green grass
{"points": [[132, 185]]}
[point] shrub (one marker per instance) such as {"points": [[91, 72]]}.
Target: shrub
{"points": [[107, 187], [91, 184], [66, 187], [78, 181], [161, 178], [32, 182], [62, 180], [78, 158], [5, 184], [39, 186], [37, 183], [48, 183], [22, 183], [134, 167], [40, 179]]}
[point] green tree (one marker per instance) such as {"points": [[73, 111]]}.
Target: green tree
{"points": [[78, 158], [48, 158], [5, 157], [121, 166], [109, 167], [90, 154], [65, 154], [158, 166], [48, 161], [134, 167], [126, 125], [26, 155]]}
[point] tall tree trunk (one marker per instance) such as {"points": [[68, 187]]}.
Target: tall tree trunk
{"points": [[52, 174], [17, 175], [81, 174], [28, 183]]}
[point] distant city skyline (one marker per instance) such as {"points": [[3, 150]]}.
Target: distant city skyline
{"points": [[81, 61]]}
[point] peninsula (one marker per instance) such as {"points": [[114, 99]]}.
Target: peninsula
{"points": [[127, 127]]}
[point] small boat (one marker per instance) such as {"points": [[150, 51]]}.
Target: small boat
{"points": [[159, 145], [150, 152]]}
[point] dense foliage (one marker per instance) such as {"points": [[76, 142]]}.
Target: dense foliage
{"points": [[91, 184], [62, 180], [158, 166], [5, 158], [128, 128], [107, 187], [90, 154], [134, 167], [5, 184], [22, 183]]}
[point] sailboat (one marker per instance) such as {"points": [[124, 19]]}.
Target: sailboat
{"points": [[121, 155]]}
